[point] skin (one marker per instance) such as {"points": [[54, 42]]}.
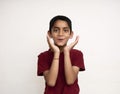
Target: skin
{"points": [[60, 34]]}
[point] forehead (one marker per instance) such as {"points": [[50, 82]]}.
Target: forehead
{"points": [[60, 23]]}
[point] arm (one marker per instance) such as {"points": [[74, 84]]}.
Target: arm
{"points": [[71, 72], [51, 74]]}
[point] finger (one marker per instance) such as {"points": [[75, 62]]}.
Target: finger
{"points": [[75, 42], [77, 38], [49, 40]]}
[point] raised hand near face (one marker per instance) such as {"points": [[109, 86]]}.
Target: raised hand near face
{"points": [[70, 46], [52, 46]]}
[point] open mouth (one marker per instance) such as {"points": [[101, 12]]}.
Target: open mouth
{"points": [[60, 39]]}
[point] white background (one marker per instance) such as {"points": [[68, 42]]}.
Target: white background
{"points": [[23, 28]]}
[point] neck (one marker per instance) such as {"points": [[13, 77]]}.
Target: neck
{"points": [[61, 48]]}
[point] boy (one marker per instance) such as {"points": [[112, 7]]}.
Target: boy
{"points": [[61, 63]]}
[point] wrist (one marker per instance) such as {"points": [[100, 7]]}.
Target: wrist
{"points": [[56, 54], [57, 51], [66, 52], [55, 58]]}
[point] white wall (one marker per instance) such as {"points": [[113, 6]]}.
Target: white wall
{"points": [[23, 27]]}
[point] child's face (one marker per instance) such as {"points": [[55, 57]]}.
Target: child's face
{"points": [[61, 33]]}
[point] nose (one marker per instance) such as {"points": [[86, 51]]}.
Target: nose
{"points": [[60, 32]]}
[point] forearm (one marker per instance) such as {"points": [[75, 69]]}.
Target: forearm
{"points": [[52, 73], [70, 74]]}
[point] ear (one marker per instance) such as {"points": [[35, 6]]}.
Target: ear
{"points": [[71, 35], [49, 33]]}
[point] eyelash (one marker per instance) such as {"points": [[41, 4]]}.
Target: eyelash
{"points": [[56, 30], [66, 30]]}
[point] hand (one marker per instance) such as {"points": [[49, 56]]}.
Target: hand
{"points": [[70, 46], [52, 46]]}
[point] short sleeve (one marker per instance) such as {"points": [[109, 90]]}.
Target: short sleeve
{"points": [[42, 65], [78, 60]]}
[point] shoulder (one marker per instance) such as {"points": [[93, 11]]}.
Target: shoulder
{"points": [[45, 53], [76, 51]]}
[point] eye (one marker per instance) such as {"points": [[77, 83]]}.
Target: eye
{"points": [[66, 30], [55, 30]]}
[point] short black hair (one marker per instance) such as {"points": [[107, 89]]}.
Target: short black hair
{"points": [[60, 17]]}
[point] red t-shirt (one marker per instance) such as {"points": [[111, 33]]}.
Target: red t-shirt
{"points": [[61, 87]]}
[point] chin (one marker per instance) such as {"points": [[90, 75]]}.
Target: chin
{"points": [[61, 45]]}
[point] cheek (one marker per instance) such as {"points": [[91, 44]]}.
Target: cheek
{"points": [[68, 36], [53, 36]]}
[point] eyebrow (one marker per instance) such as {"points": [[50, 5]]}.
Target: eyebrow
{"points": [[63, 27], [55, 27], [66, 28]]}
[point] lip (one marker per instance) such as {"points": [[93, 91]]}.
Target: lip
{"points": [[60, 40]]}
